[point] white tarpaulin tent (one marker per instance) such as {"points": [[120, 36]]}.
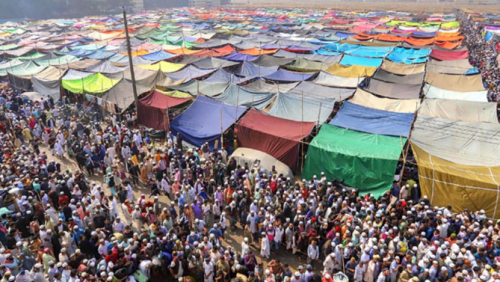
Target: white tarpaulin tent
{"points": [[264, 161], [459, 110], [432, 92], [368, 100]]}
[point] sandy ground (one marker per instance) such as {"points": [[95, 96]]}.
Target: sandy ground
{"points": [[233, 238]]}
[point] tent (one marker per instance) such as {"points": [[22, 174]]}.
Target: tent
{"points": [[363, 119], [402, 69], [152, 109], [236, 95], [48, 82], [366, 161], [205, 120], [195, 87], [214, 63], [251, 70], [260, 85], [106, 67], [327, 79], [190, 72], [350, 71], [122, 95], [366, 99], [310, 89], [94, 84], [275, 136], [349, 60], [461, 66], [392, 90], [163, 66], [282, 75], [383, 75], [260, 161], [449, 55], [459, 110], [433, 92], [308, 109], [304, 65], [455, 82]]}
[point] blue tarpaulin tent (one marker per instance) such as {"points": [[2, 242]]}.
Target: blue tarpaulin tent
{"points": [[284, 75], [359, 118], [349, 60], [201, 122], [251, 70], [158, 56]]}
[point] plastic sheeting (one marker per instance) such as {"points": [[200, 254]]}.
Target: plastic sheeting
{"points": [[269, 61], [284, 75], [467, 143], [205, 120], [327, 79], [373, 121], [304, 65], [416, 78], [275, 136], [458, 83], [449, 55], [402, 69], [459, 110], [244, 156], [366, 99], [349, 60], [195, 87], [450, 67], [122, 95], [466, 187], [190, 72], [163, 66], [158, 56], [366, 161], [295, 107], [96, 83], [235, 95], [152, 109], [214, 63], [251, 70], [48, 82], [393, 90], [350, 71], [106, 67], [311, 89], [433, 92], [261, 85]]}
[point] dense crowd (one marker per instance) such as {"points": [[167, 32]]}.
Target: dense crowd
{"points": [[60, 224], [482, 54]]}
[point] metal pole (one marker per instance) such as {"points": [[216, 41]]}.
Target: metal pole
{"points": [[129, 51]]}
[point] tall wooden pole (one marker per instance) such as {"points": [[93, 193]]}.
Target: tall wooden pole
{"points": [[129, 51]]}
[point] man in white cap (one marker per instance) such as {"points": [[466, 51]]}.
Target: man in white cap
{"points": [[265, 247], [245, 248]]}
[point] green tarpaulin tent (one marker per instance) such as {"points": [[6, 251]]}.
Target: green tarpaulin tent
{"points": [[96, 83], [365, 161]]}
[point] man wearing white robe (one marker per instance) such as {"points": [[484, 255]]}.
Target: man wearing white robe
{"points": [[265, 248]]}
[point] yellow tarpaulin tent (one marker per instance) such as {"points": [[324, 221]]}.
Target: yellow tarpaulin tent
{"points": [[163, 66], [350, 71]]}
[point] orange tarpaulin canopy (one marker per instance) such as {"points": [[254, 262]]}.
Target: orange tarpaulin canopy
{"points": [[419, 42], [256, 51], [390, 38], [449, 38], [183, 51], [447, 34], [137, 53], [223, 51], [448, 44]]}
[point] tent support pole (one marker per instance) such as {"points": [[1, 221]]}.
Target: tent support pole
{"points": [[302, 132], [129, 52], [221, 130]]}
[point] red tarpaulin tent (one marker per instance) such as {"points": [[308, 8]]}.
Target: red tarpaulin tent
{"points": [[152, 109], [275, 136]]}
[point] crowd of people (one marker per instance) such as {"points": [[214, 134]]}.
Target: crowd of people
{"points": [[483, 54], [90, 222]]}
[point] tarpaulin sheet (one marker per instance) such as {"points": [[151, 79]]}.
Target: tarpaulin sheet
{"points": [[467, 143], [349, 60], [455, 82], [106, 67], [190, 72], [235, 95], [402, 69], [223, 76], [152, 109], [26, 69], [369, 52], [57, 61], [48, 82], [275, 136], [271, 61], [359, 118], [311, 89], [459, 110], [466, 187], [195, 87], [260, 85], [449, 55], [366, 161], [81, 65], [250, 70], [211, 63], [295, 107], [284, 75], [393, 90], [96, 83], [205, 120], [350, 71], [163, 66], [409, 56], [416, 78], [158, 56], [461, 66], [369, 100], [244, 156], [238, 57], [434, 92], [123, 95], [327, 79], [304, 65], [419, 41]]}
